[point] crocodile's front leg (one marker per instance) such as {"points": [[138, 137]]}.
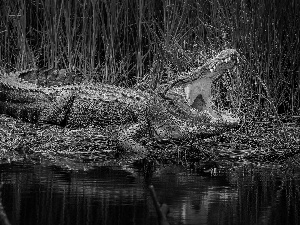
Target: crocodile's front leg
{"points": [[120, 121], [126, 138], [57, 112]]}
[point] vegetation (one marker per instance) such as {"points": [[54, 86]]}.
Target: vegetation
{"points": [[126, 42], [123, 41]]}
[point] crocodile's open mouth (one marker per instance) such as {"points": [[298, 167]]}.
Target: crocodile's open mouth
{"points": [[199, 111], [217, 115]]}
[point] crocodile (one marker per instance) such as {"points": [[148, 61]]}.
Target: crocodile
{"points": [[126, 114]]}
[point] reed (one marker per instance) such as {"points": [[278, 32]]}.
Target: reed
{"points": [[121, 41], [267, 33]]}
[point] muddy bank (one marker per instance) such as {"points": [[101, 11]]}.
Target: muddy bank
{"points": [[258, 144]]}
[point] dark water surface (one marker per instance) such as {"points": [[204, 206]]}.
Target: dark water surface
{"points": [[35, 194]]}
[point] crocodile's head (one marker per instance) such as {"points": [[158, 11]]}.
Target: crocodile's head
{"points": [[195, 102]]}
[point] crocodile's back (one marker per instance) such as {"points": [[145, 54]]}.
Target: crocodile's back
{"points": [[97, 112], [71, 105]]}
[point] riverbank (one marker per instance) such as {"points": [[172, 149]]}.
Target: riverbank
{"points": [[260, 143]]}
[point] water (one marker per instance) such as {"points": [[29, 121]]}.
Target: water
{"points": [[36, 194]]}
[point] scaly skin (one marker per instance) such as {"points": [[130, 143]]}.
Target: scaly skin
{"points": [[127, 114]]}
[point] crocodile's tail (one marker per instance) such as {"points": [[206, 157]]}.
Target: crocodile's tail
{"points": [[32, 104]]}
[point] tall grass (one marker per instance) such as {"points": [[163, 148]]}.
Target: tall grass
{"points": [[121, 41], [267, 33]]}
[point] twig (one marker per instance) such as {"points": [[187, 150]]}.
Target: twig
{"points": [[161, 210], [3, 217]]}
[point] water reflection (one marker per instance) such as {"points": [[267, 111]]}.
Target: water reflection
{"points": [[35, 194]]}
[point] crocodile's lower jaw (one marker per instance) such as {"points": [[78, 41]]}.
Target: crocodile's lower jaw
{"points": [[227, 118], [214, 117]]}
